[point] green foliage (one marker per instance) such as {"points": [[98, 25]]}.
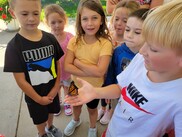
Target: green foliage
{"points": [[42, 15], [70, 6], [4, 13]]}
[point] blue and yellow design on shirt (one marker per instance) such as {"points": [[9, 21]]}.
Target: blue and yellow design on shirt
{"points": [[40, 65]]}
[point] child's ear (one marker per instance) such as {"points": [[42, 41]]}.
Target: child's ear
{"points": [[12, 13]]}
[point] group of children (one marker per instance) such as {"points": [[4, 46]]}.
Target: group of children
{"points": [[147, 91]]}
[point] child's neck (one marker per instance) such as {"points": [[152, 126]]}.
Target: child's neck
{"points": [[159, 77], [89, 39], [134, 49], [61, 37], [118, 38], [34, 35]]}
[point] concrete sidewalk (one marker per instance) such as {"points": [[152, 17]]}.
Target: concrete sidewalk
{"points": [[14, 116]]}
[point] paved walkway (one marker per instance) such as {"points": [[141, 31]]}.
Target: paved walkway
{"points": [[14, 117]]}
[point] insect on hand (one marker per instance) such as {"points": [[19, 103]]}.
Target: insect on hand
{"points": [[73, 90]]}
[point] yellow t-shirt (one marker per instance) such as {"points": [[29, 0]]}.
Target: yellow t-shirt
{"points": [[90, 53]]}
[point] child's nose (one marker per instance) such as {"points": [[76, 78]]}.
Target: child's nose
{"points": [[143, 49], [31, 17], [90, 22], [130, 34], [57, 24]]}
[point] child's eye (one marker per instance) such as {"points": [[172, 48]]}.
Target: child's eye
{"points": [[124, 21], [53, 22], [84, 19], [116, 19], [61, 21], [24, 14], [95, 18], [127, 30], [138, 33], [36, 14], [153, 50]]}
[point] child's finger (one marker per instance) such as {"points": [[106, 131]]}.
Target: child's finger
{"points": [[51, 98], [72, 100]]}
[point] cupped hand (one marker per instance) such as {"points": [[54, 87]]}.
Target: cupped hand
{"points": [[85, 94]]}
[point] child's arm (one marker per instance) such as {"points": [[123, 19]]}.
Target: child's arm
{"points": [[87, 93], [56, 87], [70, 67], [29, 91], [110, 5], [155, 3], [97, 70]]}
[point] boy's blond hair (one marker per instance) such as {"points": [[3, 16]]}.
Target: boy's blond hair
{"points": [[163, 26]]}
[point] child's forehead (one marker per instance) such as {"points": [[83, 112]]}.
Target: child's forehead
{"points": [[122, 10], [134, 20], [86, 12], [27, 4], [15, 2], [56, 16], [134, 23]]}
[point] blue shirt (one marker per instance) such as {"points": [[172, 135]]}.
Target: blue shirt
{"points": [[121, 58]]}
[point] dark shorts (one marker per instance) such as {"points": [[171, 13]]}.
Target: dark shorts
{"points": [[39, 113], [93, 104]]}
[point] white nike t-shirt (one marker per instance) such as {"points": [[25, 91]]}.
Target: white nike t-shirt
{"points": [[145, 108]]}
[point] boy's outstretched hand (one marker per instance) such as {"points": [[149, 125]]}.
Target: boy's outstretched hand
{"points": [[85, 94]]}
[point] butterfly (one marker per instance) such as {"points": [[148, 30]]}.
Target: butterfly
{"points": [[73, 90]]}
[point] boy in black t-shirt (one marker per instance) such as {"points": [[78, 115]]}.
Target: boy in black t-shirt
{"points": [[33, 57]]}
